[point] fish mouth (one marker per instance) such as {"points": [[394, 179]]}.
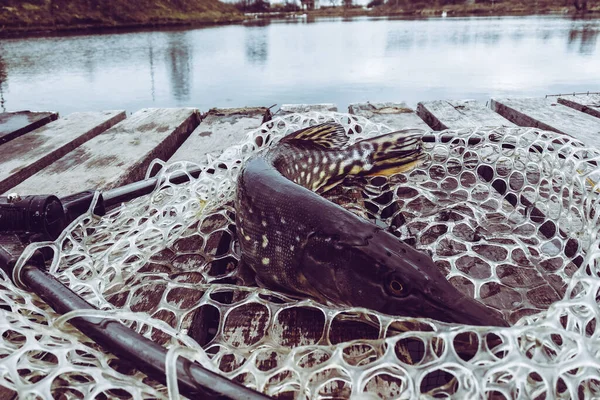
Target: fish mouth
{"points": [[462, 310], [469, 311]]}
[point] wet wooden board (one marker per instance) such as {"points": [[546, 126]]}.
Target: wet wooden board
{"points": [[549, 115], [587, 103], [394, 115], [15, 124], [220, 129], [457, 114], [24, 156], [120, 155], [304, 108], [6, 393]]}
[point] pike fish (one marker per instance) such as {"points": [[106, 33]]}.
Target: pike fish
{"points": [[298, 242]]}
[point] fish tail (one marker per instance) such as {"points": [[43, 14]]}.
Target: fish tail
{"points": [[396, 152], [388, 154]]}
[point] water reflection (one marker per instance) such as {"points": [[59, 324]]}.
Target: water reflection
{"points": [[293, 61], [583, 38], [261, 22], [459, 35], [489, 38], [544, 35], [398, 40], [179, 65], [257, 46], [2, 83], [151, 64], [518, 35], [89, 62]]}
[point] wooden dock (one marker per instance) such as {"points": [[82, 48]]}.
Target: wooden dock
{"points": [[43, 154]]}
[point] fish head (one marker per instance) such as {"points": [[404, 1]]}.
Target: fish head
{"points": [[427, 293], [387, 275], [413, 285]]}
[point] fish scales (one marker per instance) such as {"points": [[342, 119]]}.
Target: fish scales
{"points": [[298, 242]]}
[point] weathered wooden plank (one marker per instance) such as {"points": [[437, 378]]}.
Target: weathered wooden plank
{"points": [[7, 394], [15, 124], [394, 115], [218, 130], [304, 108], [457, 114], [24, 156], [120, 155], [587, 103], [549, 115]]}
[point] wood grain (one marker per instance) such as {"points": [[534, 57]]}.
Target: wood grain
{"points": [[457, 114], [220, 129], [120, 155], [26, 155], [15, 124], [587, 103], [549, 115], [395, 115]]}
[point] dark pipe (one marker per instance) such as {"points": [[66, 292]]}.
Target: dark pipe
{"points": [[129, 345], [43, 215], [133, 190]]}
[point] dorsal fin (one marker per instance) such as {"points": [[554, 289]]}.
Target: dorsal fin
{"points": [[330, 135]]}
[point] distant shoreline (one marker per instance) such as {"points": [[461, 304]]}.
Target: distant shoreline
{"points": [[458, 10], [225, 19], [25, 18], [22, 32]]}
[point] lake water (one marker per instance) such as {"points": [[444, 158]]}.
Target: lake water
{"points": [[328, 60]]}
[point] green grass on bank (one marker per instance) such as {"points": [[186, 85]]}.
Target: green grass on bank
{"points": [[32, 15]]}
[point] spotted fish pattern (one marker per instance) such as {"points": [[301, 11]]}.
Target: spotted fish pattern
{"points": [[317, 158], [298, 242]]}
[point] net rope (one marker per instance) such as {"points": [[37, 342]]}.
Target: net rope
{"points": [[166, 265]]}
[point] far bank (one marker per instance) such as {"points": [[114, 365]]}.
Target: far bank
{"points": [[37, 17], [18, 18]]}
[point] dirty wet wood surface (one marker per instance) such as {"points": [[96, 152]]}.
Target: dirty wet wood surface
{"points": [[587, 103], [456, 114], [218, 130], [304, 108], [13, 125], [118, 156], [548, 114], [395, 115], [24, 156]]}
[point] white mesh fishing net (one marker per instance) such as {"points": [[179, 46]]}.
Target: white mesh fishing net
{"points": [[508, 214]]}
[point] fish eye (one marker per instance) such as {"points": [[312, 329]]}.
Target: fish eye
{"points": [[396, 288]]}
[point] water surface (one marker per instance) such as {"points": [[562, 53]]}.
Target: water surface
{"points": [[302, 61]]}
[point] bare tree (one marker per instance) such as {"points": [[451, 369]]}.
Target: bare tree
{"points": [[580, 5]]}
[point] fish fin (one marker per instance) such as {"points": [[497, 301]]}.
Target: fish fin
{"points": [[307, 288], [396, 152], [246, 274], [332, 185], [329, 135], [329, 185]]}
